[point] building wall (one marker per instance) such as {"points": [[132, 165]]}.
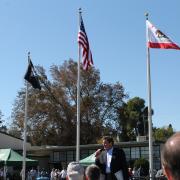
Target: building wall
{"points": [[43, 163], [8, 141], [61, 156]]}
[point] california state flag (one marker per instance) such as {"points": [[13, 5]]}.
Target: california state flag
{"points": [[157, 39]]}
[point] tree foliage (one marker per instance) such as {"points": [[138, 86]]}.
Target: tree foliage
{"points": [[52, 111], [134, 111], [128, 116], [162, 134], [143, 165], [3, 128]]}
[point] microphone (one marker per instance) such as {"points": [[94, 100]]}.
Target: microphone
{"points": [[98, 152]]}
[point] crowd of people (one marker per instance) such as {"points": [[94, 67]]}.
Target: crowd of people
{"points": [[110, 164], [75, 171], [57, 174]]}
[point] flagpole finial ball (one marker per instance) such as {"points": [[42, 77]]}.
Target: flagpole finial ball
{"points": [[146, 14], [28, 54]]}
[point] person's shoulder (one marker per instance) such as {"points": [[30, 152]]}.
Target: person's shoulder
{"points": [[118, 150]]}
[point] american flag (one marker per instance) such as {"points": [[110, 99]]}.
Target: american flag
{"points": [[84, 44]]}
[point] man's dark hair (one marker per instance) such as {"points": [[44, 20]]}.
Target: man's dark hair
{"points": [[170, 155], [92, 172], [109, 139]]}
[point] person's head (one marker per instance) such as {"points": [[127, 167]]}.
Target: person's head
{"points": [[170, 157], [53, 169], [92, 172], [75, 171], [108, 142]]}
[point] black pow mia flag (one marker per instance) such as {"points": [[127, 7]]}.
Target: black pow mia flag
{"points": [[31, 77]]}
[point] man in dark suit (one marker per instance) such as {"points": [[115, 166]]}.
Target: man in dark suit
{"points": [[111, 161]]}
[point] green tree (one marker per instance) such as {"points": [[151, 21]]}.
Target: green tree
{"points": [[162, 134], [52, 111], [143, 164], [128, 116]]}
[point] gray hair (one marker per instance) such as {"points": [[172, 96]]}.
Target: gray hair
{"points": [[75, 171]]}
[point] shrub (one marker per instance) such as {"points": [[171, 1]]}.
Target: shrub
{"points": [[143, 164]]}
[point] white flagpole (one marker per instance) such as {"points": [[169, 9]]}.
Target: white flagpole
{"points": [[25, 130], [149, 107], [78, 101]]}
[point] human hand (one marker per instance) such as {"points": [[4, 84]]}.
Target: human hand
{"points": [[98, 152]]}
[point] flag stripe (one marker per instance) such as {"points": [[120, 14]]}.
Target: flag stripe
{"points": [[83, 42], [163, 45]]}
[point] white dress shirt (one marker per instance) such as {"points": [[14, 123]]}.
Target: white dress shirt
{"points": [[108, 157]]}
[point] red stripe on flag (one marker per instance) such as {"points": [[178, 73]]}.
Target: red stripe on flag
{"points": [[163, 45], [84, 44]]}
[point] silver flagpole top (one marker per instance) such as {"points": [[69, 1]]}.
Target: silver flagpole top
{"points": [[146, 14], [29, 56]]}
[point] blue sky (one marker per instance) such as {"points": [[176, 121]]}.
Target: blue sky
{"points": [[116, 32]]}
